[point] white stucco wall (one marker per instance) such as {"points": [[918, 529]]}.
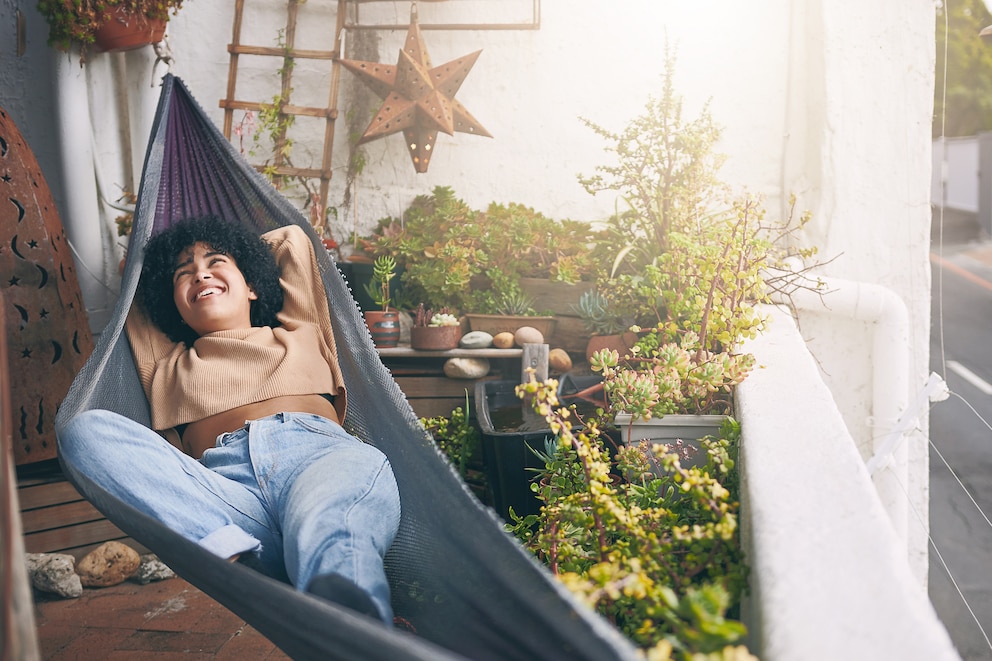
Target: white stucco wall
{"points": [[529, 89], [828, 100]]}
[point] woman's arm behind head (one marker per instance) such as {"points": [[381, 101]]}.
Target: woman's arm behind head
{"points": [[251, 253]]}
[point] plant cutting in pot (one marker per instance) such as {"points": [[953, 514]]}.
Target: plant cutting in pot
{"points": [[384, 324], [108, 24], [434, 331]]}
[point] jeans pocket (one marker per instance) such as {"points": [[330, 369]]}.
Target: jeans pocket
{"points": [[320, 425]]}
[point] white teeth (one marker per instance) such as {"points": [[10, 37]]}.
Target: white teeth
{"points": [[206, 292]]}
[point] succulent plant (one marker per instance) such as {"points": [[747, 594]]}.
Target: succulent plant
{"points": [[594, 310], [383, 270], [514, 303]]}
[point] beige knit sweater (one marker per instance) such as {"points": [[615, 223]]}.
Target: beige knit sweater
{"points": [[227, 369]]}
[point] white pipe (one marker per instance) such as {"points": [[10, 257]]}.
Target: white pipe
{"points": [[889, 319], [81, 210]]}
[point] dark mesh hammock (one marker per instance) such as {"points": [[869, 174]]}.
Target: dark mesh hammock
{"points": [[467, 587]]}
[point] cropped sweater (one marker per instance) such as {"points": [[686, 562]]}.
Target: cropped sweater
{"points": [[227, 369]]}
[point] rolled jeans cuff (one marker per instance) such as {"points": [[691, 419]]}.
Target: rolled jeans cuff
{"points": [[230, 541]]}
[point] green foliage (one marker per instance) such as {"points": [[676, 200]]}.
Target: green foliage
{"points": [[968, 107], [670, 377], [383, 270], [514, 303], [468, 260], [649, 544], [598, 316], [665, 173], [683, 256], [76, 21], [455, 436]]}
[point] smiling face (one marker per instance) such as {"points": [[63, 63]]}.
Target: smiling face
{"points": [[210, 291]]}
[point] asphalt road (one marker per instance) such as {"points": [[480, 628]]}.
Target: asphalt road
{"points": [[961, 443]]}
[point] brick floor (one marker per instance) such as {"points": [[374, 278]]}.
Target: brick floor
{"points": [[165, 620]]}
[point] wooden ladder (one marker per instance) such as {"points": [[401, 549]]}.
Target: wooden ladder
{"points": [[281, 166]]}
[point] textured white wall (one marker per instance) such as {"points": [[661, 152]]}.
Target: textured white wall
{"points": [[529, 89]]}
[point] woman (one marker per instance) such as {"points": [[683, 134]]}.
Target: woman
{"points": [[237, 358]]}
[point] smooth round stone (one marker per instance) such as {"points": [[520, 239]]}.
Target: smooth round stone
{"points": [[528, 335], [109, 564], [476, 340], [466, 368], [559, 360], [503, 340]]}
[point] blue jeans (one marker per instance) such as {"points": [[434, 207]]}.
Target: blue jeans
{"points": [[295, 488]]}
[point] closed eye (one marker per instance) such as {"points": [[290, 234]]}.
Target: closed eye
{"points": [[181, 273]]}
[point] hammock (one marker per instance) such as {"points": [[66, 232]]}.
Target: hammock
{"points": [[468, 589]]}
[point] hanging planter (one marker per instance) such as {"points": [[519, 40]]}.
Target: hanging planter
{"points": [[122, 30], [106, 25]]}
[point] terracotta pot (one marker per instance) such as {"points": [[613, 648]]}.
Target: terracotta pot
{"points": [[435, 338], [619, 343], [497, 323], [385, 327], [122, 30]]}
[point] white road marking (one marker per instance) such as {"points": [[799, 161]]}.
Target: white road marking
{"points": [[970, 376]]}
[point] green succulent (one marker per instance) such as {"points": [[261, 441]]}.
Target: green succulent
{"points": [[514, 303], [597, 316]]}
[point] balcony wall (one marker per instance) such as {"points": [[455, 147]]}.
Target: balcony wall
{"points": [[829, 575]]}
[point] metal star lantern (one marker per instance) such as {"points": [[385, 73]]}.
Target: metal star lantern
{"points": [[419, 98]]}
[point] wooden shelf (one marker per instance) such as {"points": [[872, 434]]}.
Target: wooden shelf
{"points": [[404, 351], [420, 374]]}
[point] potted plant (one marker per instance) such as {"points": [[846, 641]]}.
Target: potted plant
{"points": [[509, 310], [687, 265], [652, 544], [384, 324], [434, 331], [474, 261], [607, 329], [107, 24]]}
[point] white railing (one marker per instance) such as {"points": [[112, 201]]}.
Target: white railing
{"points": [[829, 575]]}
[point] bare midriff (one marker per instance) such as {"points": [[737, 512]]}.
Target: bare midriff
{"points": [[202, 434]]}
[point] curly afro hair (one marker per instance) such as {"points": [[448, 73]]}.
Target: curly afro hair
{"points": [[253, 255]]}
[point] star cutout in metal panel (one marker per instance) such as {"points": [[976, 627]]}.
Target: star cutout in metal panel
{"points": [[419, 98]]}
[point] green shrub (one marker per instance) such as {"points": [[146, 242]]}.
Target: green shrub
{"points": [[651, 545]]}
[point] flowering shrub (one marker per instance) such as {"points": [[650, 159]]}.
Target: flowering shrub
{"points": [[656, 551]]}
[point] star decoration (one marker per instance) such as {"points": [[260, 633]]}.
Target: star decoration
{"points": [[418, 98]]}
